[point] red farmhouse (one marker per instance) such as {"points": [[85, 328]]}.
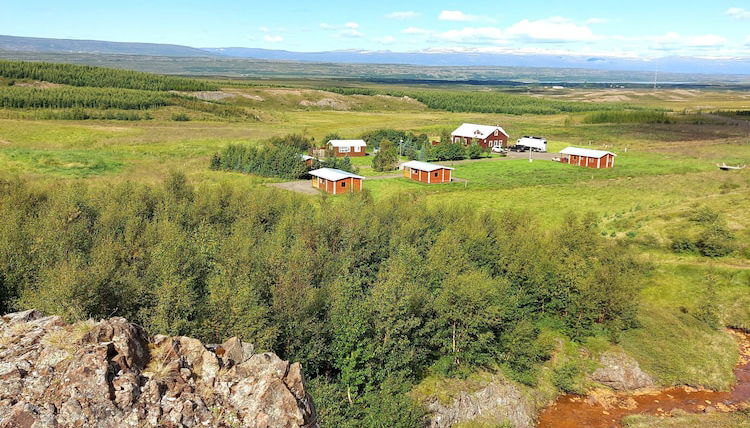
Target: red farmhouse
{"points": [[336, 181], [587, 157], [486, 136], [427, 172]]}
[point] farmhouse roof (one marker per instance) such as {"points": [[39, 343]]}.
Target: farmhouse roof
{"points": [[347, 143], [423, 166], [306, 157], [471, 130], [333, 174], [589, 153]]}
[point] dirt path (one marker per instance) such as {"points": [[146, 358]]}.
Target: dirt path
{"points": [[299, 186]]}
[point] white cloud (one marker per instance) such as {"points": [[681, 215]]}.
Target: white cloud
{"points": [[352, 25], [273, 39], [708, 40], [455, 15], [385, 40], [326, 26], [350, 32], [555, 29], [738, 13], [406, 14], [472, 35], [263, 29], [415, 30]]}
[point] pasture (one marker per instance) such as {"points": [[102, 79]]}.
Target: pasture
{"points": [[662, 171]]}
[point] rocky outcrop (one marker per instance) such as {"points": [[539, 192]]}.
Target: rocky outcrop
{"points": [[112, 374], [499, 401], [621, 372]]}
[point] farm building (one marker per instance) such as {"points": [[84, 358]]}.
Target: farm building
{"points": [[348, 147], [486, 136], [308, 160], [427, 172], [336, 181], [588, 158]]}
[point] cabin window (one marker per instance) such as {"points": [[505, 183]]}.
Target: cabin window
{"points": [[436, 174], [356, 149], [343, 149], [497, 132], [343, 184]]}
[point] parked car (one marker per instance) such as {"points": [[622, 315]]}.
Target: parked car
{"points": [[498, 149]]}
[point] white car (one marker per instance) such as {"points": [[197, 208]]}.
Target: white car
{"points": [[498, 149]]}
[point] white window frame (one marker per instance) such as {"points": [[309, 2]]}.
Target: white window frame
{"points": [[356, 149], [497, 132], [343, 149]]}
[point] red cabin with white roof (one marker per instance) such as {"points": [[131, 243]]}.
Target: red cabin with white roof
{"points": [[351, 148], [588, 158], [427, 172], [336, 181]]}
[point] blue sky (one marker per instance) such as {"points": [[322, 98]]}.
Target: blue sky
{"points": [[643, 28]]}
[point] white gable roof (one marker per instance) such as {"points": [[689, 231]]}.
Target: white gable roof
{"points": [[471, 130], [333, 174], [347, 143], [306, 157], [423, 166], [589, 153]]}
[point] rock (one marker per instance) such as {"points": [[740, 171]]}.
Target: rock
{"points": [[621, 372], [111, 374], [499, 401]]}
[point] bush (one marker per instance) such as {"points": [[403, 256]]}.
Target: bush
{"points": [[387, 157], [683, 244], [564, 378], [715, 241], [474, 151], [180, 117]]}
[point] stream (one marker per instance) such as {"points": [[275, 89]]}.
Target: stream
{"points": [[606, 410]]}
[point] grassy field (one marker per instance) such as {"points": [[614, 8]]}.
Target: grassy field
{"points": [[662, 171]]}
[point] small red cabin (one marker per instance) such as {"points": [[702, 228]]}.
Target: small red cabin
{"points": [[587, 158], [486, 136], [349, 148], [336, 181], [427, 172]]}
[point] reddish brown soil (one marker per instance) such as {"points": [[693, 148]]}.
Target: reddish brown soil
{"points": [[606, 409]]}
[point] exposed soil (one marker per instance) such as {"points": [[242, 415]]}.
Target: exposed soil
{"points": [[605, 409]]}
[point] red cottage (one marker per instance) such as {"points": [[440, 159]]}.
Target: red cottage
{"points": [[336, 181], [587, 157], [349, 148], [486, 136], [427, 172]]}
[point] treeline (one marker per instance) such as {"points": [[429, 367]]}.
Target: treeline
{"points": [[484, 102], [98, 98], [627, 116], [369, 296], [268, 160], [99, 77]]}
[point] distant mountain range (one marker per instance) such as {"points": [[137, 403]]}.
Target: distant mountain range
{"points": [[35, 44], [673, 64]]}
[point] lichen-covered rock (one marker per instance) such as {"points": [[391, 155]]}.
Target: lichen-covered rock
{"points": [[621, 372], [499, 401], [111, 374]]}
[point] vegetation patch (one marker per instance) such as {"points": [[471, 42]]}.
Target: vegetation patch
{"points": [[72, 163]]}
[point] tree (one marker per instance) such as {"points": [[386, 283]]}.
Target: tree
{"points": [[475, 151], [387, 157]]}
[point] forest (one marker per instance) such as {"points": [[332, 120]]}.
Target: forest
{"points": [[96, 98], [99, 77], [370, 296], [484, 101]]}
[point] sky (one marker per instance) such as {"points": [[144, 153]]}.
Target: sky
{"points": [[636, 28]]}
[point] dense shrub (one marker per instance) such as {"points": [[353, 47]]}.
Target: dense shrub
{"points": [[627, 116], [387, 157], [38, 98], [180, 117], [367, 304], [265, 160]]}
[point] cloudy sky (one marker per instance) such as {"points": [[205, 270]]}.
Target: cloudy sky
{"points": [[637, 28]]}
